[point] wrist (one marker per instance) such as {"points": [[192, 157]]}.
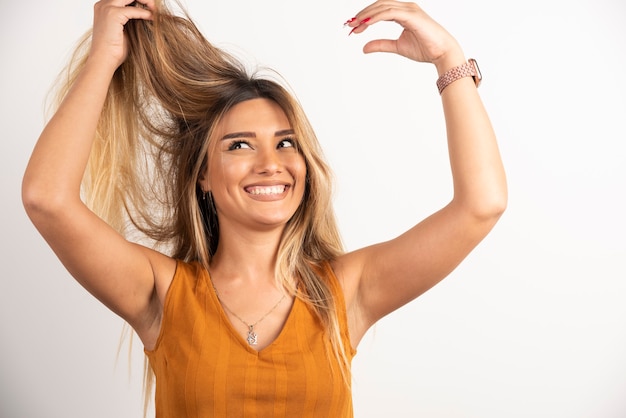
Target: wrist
{"points": [[467, 69], [99, 68], [102, 60], [449, 60]]}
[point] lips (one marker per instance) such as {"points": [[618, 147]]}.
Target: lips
{"points": [[266, 190]]}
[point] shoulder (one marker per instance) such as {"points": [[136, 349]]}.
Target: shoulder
{"points": [[188, 273], [175, 280], [347, 269]]}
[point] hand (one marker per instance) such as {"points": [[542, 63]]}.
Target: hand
{"points": [[109, 42], [422, 39]]}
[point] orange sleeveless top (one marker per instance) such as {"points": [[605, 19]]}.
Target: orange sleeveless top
{"points": [[203, 368]]}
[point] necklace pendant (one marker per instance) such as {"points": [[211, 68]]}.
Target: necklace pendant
{"points": [[252, 337]]}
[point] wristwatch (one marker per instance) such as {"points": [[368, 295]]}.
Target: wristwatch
{"points": [[469, 69]]}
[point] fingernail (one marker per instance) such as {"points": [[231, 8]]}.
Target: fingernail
{"points": [[349, 21], [362, 22]]}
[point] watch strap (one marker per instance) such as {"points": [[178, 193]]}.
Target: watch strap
{"points": [[468, 69]]}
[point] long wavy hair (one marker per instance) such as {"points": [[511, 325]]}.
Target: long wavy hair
{"points": [[152, 142]]}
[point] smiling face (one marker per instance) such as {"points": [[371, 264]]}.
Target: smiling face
{"points": [[255, 172]]}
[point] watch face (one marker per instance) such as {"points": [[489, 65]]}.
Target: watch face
{"points": [[478, 77]]}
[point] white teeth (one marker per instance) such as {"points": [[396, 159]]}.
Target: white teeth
{"points": [[267, 190]]}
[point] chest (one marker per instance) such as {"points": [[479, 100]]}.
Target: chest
{"points": [[206, 368]]}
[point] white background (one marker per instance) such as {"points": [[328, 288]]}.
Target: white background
{"points": [[532, 324]]}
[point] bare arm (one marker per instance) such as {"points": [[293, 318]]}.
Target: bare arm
{"points": [[118, 273], [383, 277]]}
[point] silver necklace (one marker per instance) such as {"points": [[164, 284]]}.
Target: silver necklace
{"points": [[252, 337]]}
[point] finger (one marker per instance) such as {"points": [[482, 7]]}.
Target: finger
{"points": [[368, 12], [363, 18], [138, 13], [380, 45], [145, 4], [124, 9], [116, 3], [392, 11], [136, 10], [360, 26], [125, 3]]}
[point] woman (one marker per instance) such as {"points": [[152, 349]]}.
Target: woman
{"points": [[245, 302]]}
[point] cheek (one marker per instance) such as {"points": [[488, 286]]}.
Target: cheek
{"points": [[298, 167], [300, 174], [225, 170]]}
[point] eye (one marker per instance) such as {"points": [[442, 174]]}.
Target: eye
{"points": [[238, 144], [287, 143]]}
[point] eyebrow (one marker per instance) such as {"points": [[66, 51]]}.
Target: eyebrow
{"points": [[233, 135]]}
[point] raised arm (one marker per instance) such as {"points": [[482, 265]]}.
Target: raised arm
{"points": [[383, 277], [117, 272]]}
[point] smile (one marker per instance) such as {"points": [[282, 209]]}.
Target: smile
{"points": [[270, 190]]}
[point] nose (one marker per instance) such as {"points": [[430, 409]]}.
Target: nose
{"points": [[268, 162]]}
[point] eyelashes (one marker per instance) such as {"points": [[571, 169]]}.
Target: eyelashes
{"points": [[290, 141], [238, 144]]}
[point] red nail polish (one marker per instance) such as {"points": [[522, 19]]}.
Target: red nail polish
{"points": [[349, 21], [362, 22]]}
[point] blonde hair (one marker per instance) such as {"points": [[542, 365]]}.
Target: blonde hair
{"points": [[152, 142]]}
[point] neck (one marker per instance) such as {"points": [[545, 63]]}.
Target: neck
{"points": [[246, 255]]}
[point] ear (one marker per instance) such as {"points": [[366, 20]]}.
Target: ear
{"points": [[203, 182]]}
